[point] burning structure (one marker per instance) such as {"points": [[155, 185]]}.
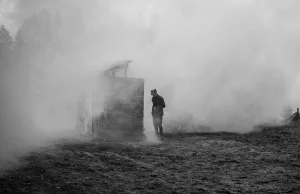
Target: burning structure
{"points": [[112, 105], [294, 119]]}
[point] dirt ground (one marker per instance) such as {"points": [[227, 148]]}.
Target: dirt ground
{"points": [[260, 162]]}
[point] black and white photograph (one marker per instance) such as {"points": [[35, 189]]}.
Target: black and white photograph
{"points": [[149, 96]]}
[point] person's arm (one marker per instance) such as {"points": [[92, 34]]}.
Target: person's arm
{"points": [[152, 102], [152, 106], [163, 102]]}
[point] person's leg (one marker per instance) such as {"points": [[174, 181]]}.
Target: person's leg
{"points": [[161, 129], [156, 130], [161, 132], [155, 126]]}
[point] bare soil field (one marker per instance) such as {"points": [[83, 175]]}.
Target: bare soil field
{"points": [[262, 162]]}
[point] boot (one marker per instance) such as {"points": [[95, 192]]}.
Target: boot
{"points": [[162, 137], [161, 132]]}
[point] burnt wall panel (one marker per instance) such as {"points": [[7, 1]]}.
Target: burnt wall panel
{"points": [[124, 106]]}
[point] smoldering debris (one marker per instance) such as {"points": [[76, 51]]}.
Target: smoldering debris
{"points": [[184, 122]]}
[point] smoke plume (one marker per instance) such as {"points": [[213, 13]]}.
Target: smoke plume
{"points": [[229, 64]]}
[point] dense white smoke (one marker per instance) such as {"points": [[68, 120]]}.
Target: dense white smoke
{"points": [[229, 64]]}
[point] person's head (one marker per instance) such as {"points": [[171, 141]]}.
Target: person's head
{"points": [[154, 92]]}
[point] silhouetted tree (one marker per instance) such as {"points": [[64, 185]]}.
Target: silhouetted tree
{"points": [[5, 36], [5, 48]]}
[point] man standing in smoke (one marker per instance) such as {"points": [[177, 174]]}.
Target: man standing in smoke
{"points": [[157, 112]]}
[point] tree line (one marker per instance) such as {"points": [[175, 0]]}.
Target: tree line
{"points": [[31, 57]]}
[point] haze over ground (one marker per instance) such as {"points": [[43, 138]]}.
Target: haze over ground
{"points": [[231, 64]]}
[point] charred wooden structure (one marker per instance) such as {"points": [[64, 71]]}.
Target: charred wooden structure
{"points": [[292, 120], [114, 105]]}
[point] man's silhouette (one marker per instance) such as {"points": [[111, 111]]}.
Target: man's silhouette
{"points": [[157, 113]]}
